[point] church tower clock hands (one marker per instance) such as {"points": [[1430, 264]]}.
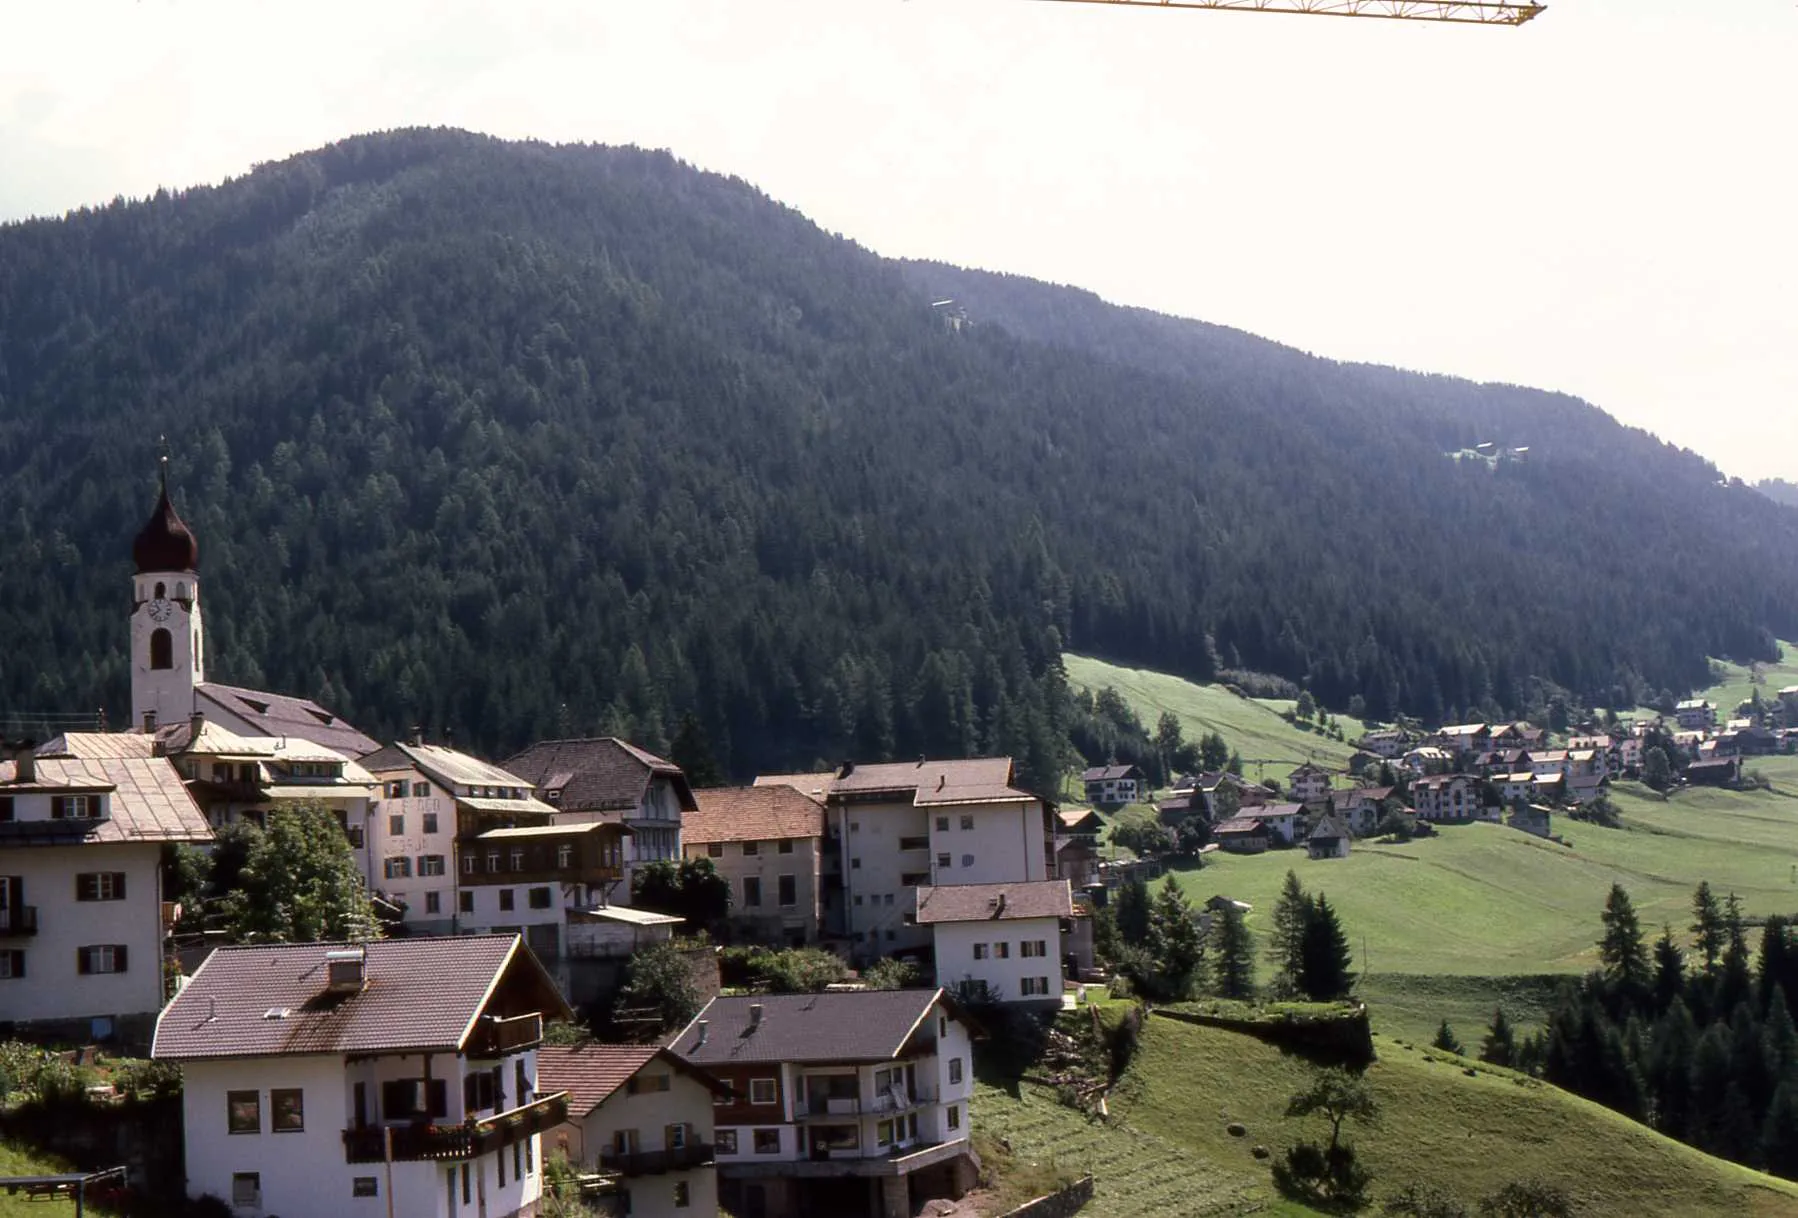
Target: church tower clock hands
{"points": [[167, 638]]}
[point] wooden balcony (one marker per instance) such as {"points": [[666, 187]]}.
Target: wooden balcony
{"points": [[657, 1162], [414, 1143], [17, 921], [498, 1037]]}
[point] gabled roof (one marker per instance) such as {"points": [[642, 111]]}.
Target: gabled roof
{"points": [[751, 814], [1309, 768], [420, 994], [146, 802], [1238, 825], [815, 785], [847, 1026], [280, 715], [596, 774], [1108, 773], [1326, 828], [924, 777], [1078, 820], [590, 1073], [447, 767], [1271, 811], [994, 902]]}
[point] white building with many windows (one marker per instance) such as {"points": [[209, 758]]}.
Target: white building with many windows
{"points": [[840, 1103], [392, 1077], [999, 942], [83, 822]]}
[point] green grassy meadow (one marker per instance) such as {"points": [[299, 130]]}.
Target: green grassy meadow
{"points": [[1253, 728], [1166, 1150], [1738, 684], [16, 1162]]}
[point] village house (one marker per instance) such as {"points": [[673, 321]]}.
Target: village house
{"points": [[1717, 772], [1077, 833], [1587, 788], [999, 942], [1445, 797], [1427, 759], [768, 842], [1695, 714], [1531, 818], [851, 1103], [1112, 786], [642, 1114], [1546, 763], [1515, 789], [1328, 839], [429, 841], [1361, 809], [1628, 755], [1241, 835], [83, 824], [1308, 784], [606, 779], [395, 1076], [1390, 743], [1282, 821], [901, 826], [1463, 739]]}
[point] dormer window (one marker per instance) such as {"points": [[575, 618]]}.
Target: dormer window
{"points": [[74, 807]]}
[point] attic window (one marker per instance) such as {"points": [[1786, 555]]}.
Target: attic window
{"points": [[553, 795], [320, 715], [261, 708], [277, 1013]]}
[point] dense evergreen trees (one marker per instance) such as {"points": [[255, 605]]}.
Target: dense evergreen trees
{"points": [[525, 441], [1709, 1056]]}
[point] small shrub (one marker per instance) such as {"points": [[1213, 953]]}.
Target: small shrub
{"points": [[1527, 1199], [143, 1080], [1423, 1201], [892, 975]]}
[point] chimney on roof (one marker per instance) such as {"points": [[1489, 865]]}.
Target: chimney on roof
{"points": [[755, 1016], [705, 1030], [999, 909], [418, 735], [149, 722], [942, 780], [196, 723], [24, 762], [346, 970], [847, 770]]}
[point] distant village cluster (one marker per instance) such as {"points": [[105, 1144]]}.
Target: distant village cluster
{"points": [[410, 1074]]}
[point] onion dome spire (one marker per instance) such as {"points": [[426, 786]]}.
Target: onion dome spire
{"points": [[165, 543]]}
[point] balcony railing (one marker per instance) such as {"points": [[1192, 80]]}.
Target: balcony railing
{"points": [[656, 1162], [498, 1037], [884, 1104], [18, 920], [412, 1143]]}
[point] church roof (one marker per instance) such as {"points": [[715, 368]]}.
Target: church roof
{"points": [[165, 543]]}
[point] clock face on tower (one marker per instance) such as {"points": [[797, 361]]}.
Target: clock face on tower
{"points": [[160, 609]]}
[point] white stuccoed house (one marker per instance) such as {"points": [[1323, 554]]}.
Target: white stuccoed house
{"points": [[999, 942], [393, 1077]]}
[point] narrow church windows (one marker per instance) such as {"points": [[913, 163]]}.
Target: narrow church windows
{"points": [[162, 649], [161, 591]]}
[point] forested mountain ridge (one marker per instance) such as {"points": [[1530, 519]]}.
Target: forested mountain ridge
{"points": [[518, 440]]}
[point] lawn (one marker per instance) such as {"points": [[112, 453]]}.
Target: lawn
{"points": [[1738, 683], [1487, 901], [1252, 728], [15, 1162], [1468, 1134]]}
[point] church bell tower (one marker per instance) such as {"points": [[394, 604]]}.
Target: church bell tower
{"points": [[167, 640]]}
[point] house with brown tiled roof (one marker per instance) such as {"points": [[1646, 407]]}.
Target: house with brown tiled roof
{"points": [[768, 842], [895, 827], [1308, 784], [607, 779], [999, 942], [1328, 839], [1361, 809], [1241, 835], [641, 1114], [363, 1079], [1112, 786], [852, 1103], [83, 927]]}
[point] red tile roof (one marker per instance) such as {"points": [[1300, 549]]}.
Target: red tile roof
{"points": [[591, 1072], [751, 814], [420, 994], [994, 902]]}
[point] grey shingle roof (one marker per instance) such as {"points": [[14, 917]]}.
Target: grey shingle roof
{"points": [[994, 902], [280, 715], [147, 802], [600, 774], [855, 1026], [421, 994]]}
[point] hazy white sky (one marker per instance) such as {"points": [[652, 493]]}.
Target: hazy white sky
{"points": [[1601, 201]]}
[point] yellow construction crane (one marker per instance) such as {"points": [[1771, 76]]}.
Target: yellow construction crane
{"points": [[1464, 12]]}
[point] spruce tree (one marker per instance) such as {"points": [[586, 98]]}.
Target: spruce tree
{"points": [[1445, 1039], [1133, 912], [1779, 1133], [1774, 961], [1707, 927], [1669, 971], [1234, 958], [1500, 1046], [1621, 950], [1324, 954], [1735, 980], [1287, 943], [1175, 941]]}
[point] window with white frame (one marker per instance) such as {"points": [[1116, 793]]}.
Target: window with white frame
{"points": [[763, 1091], [246, 1190], [954, 1070], [397, 868]]}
